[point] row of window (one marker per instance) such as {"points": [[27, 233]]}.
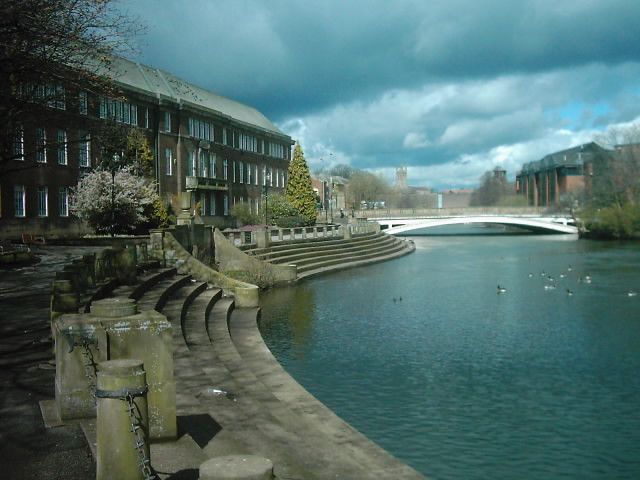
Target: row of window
{"points": [[20, 201], [125, 112], [60, 146], [204, 164], [208, 205]]}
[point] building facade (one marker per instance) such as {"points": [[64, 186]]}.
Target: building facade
{"points": [[544, 182], [221, 152]]}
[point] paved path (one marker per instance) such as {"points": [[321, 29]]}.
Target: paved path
{"points": [[27, 449]]}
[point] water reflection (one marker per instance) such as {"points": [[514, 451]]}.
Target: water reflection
{"points": [[463, 383]]}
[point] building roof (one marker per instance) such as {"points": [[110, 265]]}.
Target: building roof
{"points": [[571, 157], [161, 84]]}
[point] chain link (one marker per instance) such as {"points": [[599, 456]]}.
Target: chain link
{"points": [[138, 435], [90, 368]]}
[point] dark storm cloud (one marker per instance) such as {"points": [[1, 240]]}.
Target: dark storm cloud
{"points": [[426, 84]]}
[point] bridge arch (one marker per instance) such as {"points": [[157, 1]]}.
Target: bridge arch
{"points": [[549, 225]]}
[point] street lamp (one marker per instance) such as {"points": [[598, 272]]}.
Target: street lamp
{"points": [[267, 181]]}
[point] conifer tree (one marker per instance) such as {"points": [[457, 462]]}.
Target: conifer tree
{"points": [[299, 191]]}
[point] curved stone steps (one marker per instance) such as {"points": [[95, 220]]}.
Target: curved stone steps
{"points": [[314, 245], [377, 248], [260, 419], [194, 325], [334, 264], [200, 376], [144, 283], [156, 296]]}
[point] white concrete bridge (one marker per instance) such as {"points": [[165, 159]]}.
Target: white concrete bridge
{"points": [[537, 221]]}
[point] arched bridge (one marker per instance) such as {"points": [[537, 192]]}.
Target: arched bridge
{"points": [[548, 224]]}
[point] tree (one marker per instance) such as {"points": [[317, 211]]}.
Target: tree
{"points": [[299, 191], [366, 186], [342, 170], [114, 202], [49, 51], [491, 190]]}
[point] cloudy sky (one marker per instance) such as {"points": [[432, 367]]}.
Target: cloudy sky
{"points": [[448, 88]]}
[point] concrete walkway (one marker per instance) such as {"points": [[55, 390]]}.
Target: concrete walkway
{"points": [[27, 449]]}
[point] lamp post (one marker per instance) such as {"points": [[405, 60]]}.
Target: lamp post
{"points": [[267, 180]]}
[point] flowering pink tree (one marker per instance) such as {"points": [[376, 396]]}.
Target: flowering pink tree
{"points": [[114, 202]]}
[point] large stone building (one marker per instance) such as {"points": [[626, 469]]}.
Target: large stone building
{"points": [[545, 181], [220, 151]]}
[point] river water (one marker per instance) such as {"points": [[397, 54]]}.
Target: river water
{"points": [[426, 358]]}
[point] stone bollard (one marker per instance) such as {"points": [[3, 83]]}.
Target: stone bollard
{"points": [[125, 265], [280, 234], [304, 233], [146, 335], [246, 297], [103, 265], [122, 441], [90, 262], [346, 231], [141, 252], [263, 238], [237, 467], [77, 353], [64, 297]]}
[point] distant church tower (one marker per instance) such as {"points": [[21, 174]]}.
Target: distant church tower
{"points": [[401, 178]]}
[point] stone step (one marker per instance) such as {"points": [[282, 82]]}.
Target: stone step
{"points": [[194, 325], [156, 297], [300, 259], [144, 282], [358, 263], [347, 261], [310, 245]]}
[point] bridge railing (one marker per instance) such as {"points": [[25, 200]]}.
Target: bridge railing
{"points": [[447, 212]]}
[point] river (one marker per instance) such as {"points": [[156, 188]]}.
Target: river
{"points": [[426, 358]]}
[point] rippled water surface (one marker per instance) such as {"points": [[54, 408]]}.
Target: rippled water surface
{"points": [[424, 357]]}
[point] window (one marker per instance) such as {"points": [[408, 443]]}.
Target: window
{"points": [[63, 202], [120, 111], [41, 145], [248, 143], [201, 129], [43, 201], [255, 177], [191, 164], [146, 118], [61, 140], [84, 151], [168, 161], [276, 150], [18, 144], [234, 171], [19, 200], [264, 175], [83, 104], [213, 162], [270, 177], [212, 204], [249, 167], [204, 163], [226, 204], [277, 178], [225, 170], [167, 121], [241, 167]]}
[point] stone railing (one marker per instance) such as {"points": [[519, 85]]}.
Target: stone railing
{"points": [[273, 234]]}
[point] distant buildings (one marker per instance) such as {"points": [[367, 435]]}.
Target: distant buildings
{"points": [[545, 181], [220, 151]]}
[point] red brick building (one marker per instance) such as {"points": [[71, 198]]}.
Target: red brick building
{"points": [[221, 151]]}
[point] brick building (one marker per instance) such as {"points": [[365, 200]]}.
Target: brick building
{"points": [[544, 181], [221, 151]]}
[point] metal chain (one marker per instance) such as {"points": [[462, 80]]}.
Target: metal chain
{"points": [[90, 368], [138, 435]]}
